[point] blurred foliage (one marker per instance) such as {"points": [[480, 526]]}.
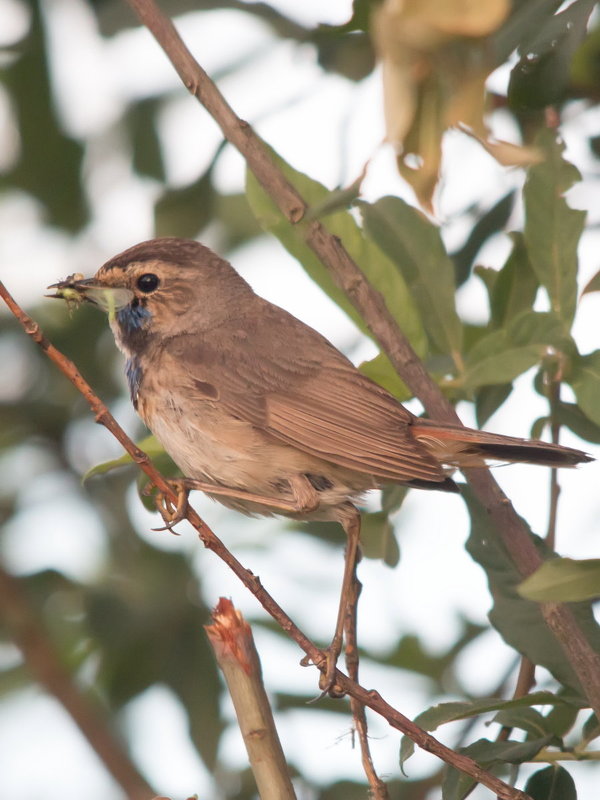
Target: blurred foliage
{"points": [[137, 622]]}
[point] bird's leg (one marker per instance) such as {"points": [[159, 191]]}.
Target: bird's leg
{"points": [[306, 498], [350, 520]]}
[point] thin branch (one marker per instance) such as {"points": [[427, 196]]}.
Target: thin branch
{"points": [[44, 663], [373, 310], [379, 790], [371, 699]]}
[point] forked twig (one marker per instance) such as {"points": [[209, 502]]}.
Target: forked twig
{"points": [[371, 699]]}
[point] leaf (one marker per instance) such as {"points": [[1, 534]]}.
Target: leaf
{"points": [[501, 367], [504, 354], [515, 287], [458, 785], [518, 620], [551, 783], [147, 153], [486, 225], [376, 267], [415, 246], [50, 162], [563, 580], [593, 285], [381, 370], [585, 381], [488, 400], [378, 539], [552, 229], [527, 719], [542, 75], [149, 444], [433, 717]]}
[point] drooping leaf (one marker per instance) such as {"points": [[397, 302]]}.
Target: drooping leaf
{"points": [[415, 246], [486, 225], [50, 161], [526, 719], [433, 717], [458, 785], [149, 444], [593, 285], [563, 580], [520, 621], [376, 266], [378, 539], [516, 286], [552, 227], [551, 783], [147, 153], [488, 400], [381, 370], [542, 74], [585, 381]]}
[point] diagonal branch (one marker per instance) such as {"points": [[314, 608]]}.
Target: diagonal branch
{"points": [[371, 305], [371, 699]]}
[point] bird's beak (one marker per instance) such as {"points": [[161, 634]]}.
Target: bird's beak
{"points": [[77, 289]]}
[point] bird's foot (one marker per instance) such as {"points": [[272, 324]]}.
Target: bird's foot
{"points": [[172, 513]]}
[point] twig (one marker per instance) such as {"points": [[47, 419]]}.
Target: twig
{"points": [[43, 661], [373, 310], [231, 639], [368, 698], [378, 788]]}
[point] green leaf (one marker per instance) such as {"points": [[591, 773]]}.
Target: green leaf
{"points": [[585, 381], [518, 620], [552, 228], [149, 444], [378, 539], [147, 153], [487, 224], [515, 287], [551, 783], [489, 755], [504, 354], [527, 719], [376, 267], [433, 717], [563, 580], [488, 400], [500, 367], [50, 161], [381, 370], [415, 246], [542, 75], [593, 285]]}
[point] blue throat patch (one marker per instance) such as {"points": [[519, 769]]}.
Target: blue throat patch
{"points": [[133, 317], [134, 374]]}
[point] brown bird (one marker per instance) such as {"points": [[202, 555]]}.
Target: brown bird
{"points": [[262, 412]]}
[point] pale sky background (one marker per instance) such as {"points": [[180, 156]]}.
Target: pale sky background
{"points": [[97, 78]]}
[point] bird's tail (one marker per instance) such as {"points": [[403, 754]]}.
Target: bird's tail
{"points": [[465, 447]]}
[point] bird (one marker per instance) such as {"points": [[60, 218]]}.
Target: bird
{"points": [[259, 410]]}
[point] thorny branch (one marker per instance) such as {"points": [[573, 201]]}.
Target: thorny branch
{"points": [[371, 306], [370, 699]]}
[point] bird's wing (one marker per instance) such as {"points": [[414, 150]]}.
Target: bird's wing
{"points": [[287, 380]]}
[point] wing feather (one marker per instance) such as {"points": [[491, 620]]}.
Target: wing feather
{"points": [[286, 379]]}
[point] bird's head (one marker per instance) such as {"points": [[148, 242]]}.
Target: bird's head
{"points": [[161, 288]]}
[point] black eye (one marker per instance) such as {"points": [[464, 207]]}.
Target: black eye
{"points": [[147, 282]]}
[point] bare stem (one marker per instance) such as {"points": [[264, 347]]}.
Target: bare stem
{"points": [[233, 644]]}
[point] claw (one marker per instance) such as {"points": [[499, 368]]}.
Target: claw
{"points": [[172, 514]]}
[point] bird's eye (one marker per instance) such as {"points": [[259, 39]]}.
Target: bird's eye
{"points": [[147, 282]]}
